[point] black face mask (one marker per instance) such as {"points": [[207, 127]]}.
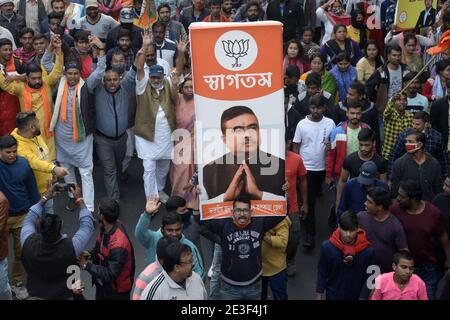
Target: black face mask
{"points": [[186, 217]]}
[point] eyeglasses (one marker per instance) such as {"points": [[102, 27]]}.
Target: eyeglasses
{"points": [[240, 211]]}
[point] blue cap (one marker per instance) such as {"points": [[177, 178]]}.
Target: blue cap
{"points": [[156, 71], [368, 173]]}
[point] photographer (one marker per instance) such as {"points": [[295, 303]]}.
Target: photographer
{"points": [[47, 254]]}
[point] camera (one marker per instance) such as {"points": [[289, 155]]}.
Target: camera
{"points": [[64, 187]]}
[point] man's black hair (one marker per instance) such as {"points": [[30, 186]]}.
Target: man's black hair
{"points": [[39, 36], [252, 4], [317, 100], [163, 5], [4, 42], [162, 244], [124, 33], [110, 209], [313, 79], [50, 227], [402, 254], [355, 105], [171, 217], [55, 15], [7, 141], [358, 87], [25, 31], [393, 47], [80, 35], [381, 197], [348, 221], [173, 254], [420, 137], [175, 202], [367, 134], [232, 113], [24, 119], [215, 2], [412, 189], [243, 198], [422, 115], [292, 71], [32, 67], [158, 24]]}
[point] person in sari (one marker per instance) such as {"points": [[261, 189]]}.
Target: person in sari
{"points": [[328, 81], [183, 163]]}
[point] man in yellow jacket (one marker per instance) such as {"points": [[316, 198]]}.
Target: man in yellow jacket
{"points": [[35, 94], [274, 265], [32, 147]]}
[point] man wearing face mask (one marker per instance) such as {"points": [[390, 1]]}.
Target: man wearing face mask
{"points": [[434, 144], [124, 46], [155, 121], [115, 101], [419, 166]]}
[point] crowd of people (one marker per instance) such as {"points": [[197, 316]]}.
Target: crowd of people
{"points": [[367, 121]]}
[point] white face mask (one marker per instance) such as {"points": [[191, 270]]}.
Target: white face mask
{"points": [[157, 87]]}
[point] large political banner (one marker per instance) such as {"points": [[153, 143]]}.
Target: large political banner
{"points": [[408, 12], [238, 92]]}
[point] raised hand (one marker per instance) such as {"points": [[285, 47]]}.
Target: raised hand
{"points": [[152, 206], [147, 38], [182, 45]]}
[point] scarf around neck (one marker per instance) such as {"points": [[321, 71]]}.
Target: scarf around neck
{"points": [[28, 104], [350, 250]]}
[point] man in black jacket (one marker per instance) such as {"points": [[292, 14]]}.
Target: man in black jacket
{"points": [[112, 266], [439, 115], [291, 16], [427, 17], [126, 22]]}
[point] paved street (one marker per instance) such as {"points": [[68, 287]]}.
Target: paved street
{"points": [[132, 204]]}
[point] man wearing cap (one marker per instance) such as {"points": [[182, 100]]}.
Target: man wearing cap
{"points": [[127, 17], [73, 123], [355, 191], [98, 24], [155, 120], [35, 94], [11, 20]]}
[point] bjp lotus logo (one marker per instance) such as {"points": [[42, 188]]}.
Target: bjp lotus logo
{"points": [[236, 49], [238, 45]]}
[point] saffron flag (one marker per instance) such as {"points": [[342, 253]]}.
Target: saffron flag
{"points": [[148, 14]]}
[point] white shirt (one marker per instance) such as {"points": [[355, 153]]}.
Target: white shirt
{"points": [[395, 81], [161, 147], [164, 288], [312, 137]]}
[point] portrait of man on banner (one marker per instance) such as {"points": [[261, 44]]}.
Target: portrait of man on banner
{"points": [[245, 169]]}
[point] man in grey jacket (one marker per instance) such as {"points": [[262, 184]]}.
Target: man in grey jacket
{"points": [[114, 101]]}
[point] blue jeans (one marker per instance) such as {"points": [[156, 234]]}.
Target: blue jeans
{"points": [[278, 285], [428, 273], [214, 283], [5, 289], [250, 292]]}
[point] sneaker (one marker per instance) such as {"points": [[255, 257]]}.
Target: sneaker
{"points": [[19, 291], [71, 205], [210, 272], [163, 197], [291, 269]]}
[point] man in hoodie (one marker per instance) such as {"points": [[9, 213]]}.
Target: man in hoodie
{"points": [[344, 259]]}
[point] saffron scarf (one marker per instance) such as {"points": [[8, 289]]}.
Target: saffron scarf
{"points": [[28, 105], [10, 66], [350, 250], [78, 128]]}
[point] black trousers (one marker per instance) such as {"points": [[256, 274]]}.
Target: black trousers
{"points": [[315, 181]]}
